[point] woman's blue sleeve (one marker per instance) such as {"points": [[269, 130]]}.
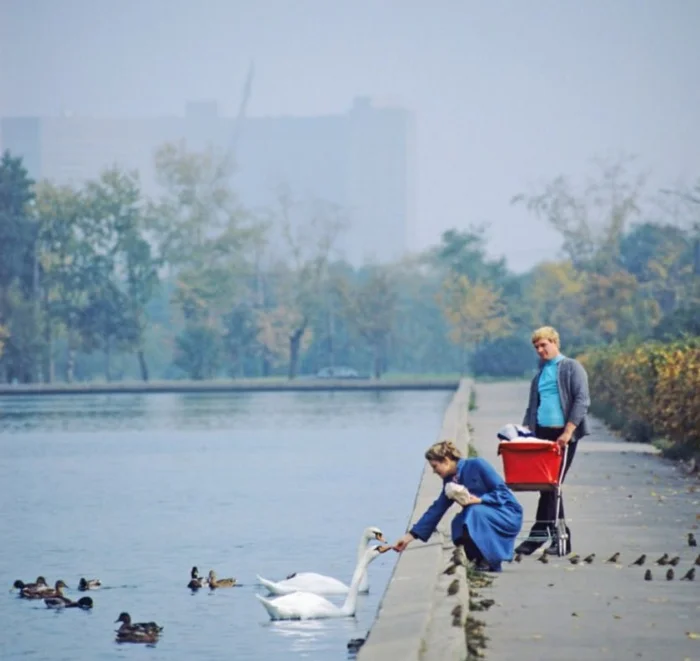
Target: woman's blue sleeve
{"points": [[425, 526]]}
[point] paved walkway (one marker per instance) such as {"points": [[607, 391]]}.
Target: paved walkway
{"points": [[620, 497]]}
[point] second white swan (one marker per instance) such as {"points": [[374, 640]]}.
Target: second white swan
{"points": [[310, 606], [319, 583]]}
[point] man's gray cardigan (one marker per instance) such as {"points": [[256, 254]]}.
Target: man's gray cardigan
{"points": [[573, 392]]}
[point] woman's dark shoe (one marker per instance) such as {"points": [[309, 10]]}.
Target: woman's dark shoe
{"points": [[529, 546]]}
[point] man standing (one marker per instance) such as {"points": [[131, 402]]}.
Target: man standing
{"points": [[556, 411]]}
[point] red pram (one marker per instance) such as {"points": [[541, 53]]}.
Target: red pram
{"points": [[530, 464]]}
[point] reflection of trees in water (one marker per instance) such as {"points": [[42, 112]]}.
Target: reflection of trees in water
{"points": [[151, 411], [74, 413], [372, 406], [208, 410]]}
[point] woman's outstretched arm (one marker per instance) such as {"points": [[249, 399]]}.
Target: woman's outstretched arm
{"points": [[425, 526]]}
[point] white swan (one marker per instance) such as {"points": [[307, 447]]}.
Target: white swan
{"points": [[319, 583], [310, 606]]}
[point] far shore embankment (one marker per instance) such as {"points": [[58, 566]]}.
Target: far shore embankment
{"points": [[233, 385]]}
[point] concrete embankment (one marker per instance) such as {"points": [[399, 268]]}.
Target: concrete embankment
{"points": [[238, 385], [423, 611]]}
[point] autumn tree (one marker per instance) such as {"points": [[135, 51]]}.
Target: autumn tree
{"points": [[309, 231], [202, 235], [613, 308], [593, 221], [419, 339], [475, 313], [464, 252], [593, 218], [17, 230], [240, 338], [275, 326], [369, 304], [65, 259], [660, 257], [124, 272], [552, 292], [19, 317]]}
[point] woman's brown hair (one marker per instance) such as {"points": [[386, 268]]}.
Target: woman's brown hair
{"points": [[443, 450]]}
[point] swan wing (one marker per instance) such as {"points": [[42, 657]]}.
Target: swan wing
{"points": [[299, 606], [305, 582]]}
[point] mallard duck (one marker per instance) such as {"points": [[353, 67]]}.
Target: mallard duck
{"points": [[64, 602], [136, 632], [310, 606], [91, 584], [196, 581], [43, 593], [137, 636], [319, 583], [39, 584], [220, 582]]}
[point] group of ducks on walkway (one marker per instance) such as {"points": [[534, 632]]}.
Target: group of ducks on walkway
{"points": [[297, 597]]}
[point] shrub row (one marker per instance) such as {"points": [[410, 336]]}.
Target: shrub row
{"points": [[649, 391]]}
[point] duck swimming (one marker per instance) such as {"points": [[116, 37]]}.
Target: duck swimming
{"points": [[220, 582], [91, 584], [319, 583], [196, 581], [310, 606], [85, 603], [39, 584], [43, 593], [137, 632]]}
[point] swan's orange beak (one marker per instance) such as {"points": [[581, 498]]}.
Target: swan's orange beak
{"points": [[380, 538], [384, 548]]}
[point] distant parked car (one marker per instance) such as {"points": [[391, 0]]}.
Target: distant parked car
{"points": [[337, 373]]}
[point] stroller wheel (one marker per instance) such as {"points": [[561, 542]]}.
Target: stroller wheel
{"points": [[563, 539]]}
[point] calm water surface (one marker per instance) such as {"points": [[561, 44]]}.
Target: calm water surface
{"points": [[135, 489]]}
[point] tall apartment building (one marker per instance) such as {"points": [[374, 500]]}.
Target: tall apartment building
{"points": [[362, 160]]}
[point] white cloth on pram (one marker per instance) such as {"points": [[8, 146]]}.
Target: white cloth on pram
{"points": [[511, 431]]}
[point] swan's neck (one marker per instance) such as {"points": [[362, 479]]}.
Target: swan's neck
{"points": [[361, 548], [350, 605]]}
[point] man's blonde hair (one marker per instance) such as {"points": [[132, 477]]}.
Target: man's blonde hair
{"points": [[546, 333]]}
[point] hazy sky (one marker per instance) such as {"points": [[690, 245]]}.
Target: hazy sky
{"points": [[507, 94]]}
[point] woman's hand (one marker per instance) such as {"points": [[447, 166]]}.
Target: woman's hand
{"points": [[566, 436], [563, 440], [473, 500], [403, 542]]}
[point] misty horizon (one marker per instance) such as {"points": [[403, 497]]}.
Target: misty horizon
{"points": [[506, 97]]}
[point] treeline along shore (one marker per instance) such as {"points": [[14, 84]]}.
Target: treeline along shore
{"points": [[222, 386]]}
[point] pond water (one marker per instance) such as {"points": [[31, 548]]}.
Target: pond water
{"points": [[136, 489]]}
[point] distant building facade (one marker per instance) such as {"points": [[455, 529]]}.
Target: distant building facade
{"points": [[362, 160]]}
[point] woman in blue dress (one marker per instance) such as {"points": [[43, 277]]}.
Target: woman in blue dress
{"points": [[490, 518]]}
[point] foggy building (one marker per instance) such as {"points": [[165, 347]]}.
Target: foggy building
{"points": [[362, 160]]}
